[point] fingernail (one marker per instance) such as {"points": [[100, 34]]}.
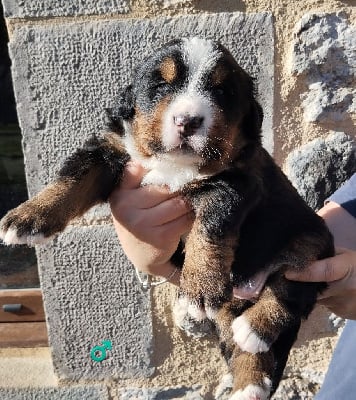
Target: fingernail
{"points": [[291, 275]]}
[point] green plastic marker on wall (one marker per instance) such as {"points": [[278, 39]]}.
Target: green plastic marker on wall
{"points": [[98, 353]]}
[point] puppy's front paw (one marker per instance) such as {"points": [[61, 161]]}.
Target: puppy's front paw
{"points": [[28, 224], [246, 338], [183, 307], [196, 327], [205, 294]]}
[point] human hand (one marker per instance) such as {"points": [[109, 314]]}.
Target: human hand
{"points": [[340, 274], [149, 221]]}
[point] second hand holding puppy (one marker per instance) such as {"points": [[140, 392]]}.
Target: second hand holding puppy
{"points": [[339, 271]]}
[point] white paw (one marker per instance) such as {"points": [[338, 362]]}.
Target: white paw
{"points": [[11, 237], [254, 392], [196, 312], [246, 338], [183, 307], [225, 385], [180, 310], [211, 313]]}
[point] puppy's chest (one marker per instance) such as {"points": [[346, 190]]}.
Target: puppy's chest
{"points": [[167, 169], [167, 172]]}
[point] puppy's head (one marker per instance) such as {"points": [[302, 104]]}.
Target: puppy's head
{"points": [[189, 103]]}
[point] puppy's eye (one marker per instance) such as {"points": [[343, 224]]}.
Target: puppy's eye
{"points": [[160, 85], [219, 91], [223, 91]]}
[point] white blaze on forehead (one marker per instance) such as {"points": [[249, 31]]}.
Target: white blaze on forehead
{"points": [[201, 56]]}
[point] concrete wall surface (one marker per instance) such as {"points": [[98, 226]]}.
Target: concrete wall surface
{"points": [[69, 62]]}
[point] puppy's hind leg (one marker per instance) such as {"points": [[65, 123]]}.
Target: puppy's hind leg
{"points": [[252, 374], [86, 178]]}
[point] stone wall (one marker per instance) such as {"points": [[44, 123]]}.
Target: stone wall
{"points": [[70, 60]]}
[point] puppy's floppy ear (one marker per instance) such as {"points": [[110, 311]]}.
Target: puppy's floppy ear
{"points": [[252, 121], [123, 110]]}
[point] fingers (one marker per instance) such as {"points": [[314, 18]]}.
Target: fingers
{"points": [[149, 222], [131, 214], [340, 274], [172, 230], [130, 193], [133, 175], [139, 197], [167, 211], [327, 270], [161, 235], [150, 213]]}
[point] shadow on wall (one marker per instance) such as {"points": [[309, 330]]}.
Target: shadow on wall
{"points": [[219, 5]]}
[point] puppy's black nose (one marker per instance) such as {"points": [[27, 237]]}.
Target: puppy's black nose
{"points": [[188, 124]]}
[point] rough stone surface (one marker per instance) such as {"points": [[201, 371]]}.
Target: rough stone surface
{"points": [[88, 392], [296, 388], [26, 367], [318, 168], [66, 75], [182, 392], [324, 52], [55, 8], [302, 386], [91, 294]]}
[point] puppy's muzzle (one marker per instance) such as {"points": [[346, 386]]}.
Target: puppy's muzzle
{"points": [[187, 124]]}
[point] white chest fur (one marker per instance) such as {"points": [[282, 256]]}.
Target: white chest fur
{"points": [[172, 169], [168, 172]]}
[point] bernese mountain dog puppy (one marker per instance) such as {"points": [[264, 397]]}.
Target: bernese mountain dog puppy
{"points": [[191, 119]]}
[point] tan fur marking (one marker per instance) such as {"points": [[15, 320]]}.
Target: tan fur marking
{"points": [[303, 251], [147, 128], [168, 69], [51, 210], [225, 317], [250, 368], [223, 146], [114, 141], [268, 316], [219, 75]]}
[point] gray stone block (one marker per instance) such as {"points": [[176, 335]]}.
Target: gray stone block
{"points": [[321, 166], [88, 392], [324, 52], [91, 294], [181, 392], [56, 8], [66, 75]]}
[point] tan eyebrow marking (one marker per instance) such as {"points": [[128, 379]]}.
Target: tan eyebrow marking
{"points": [[168, 69], [218, 75]]}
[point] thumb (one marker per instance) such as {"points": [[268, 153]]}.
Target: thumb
{"points": [[327, 270], [133, 174]]}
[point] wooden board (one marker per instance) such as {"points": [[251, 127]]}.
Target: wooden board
{"points": [[23, 334], [31, 309]]}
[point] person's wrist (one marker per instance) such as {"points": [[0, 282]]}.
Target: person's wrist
{"points": [[166, 271]]}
